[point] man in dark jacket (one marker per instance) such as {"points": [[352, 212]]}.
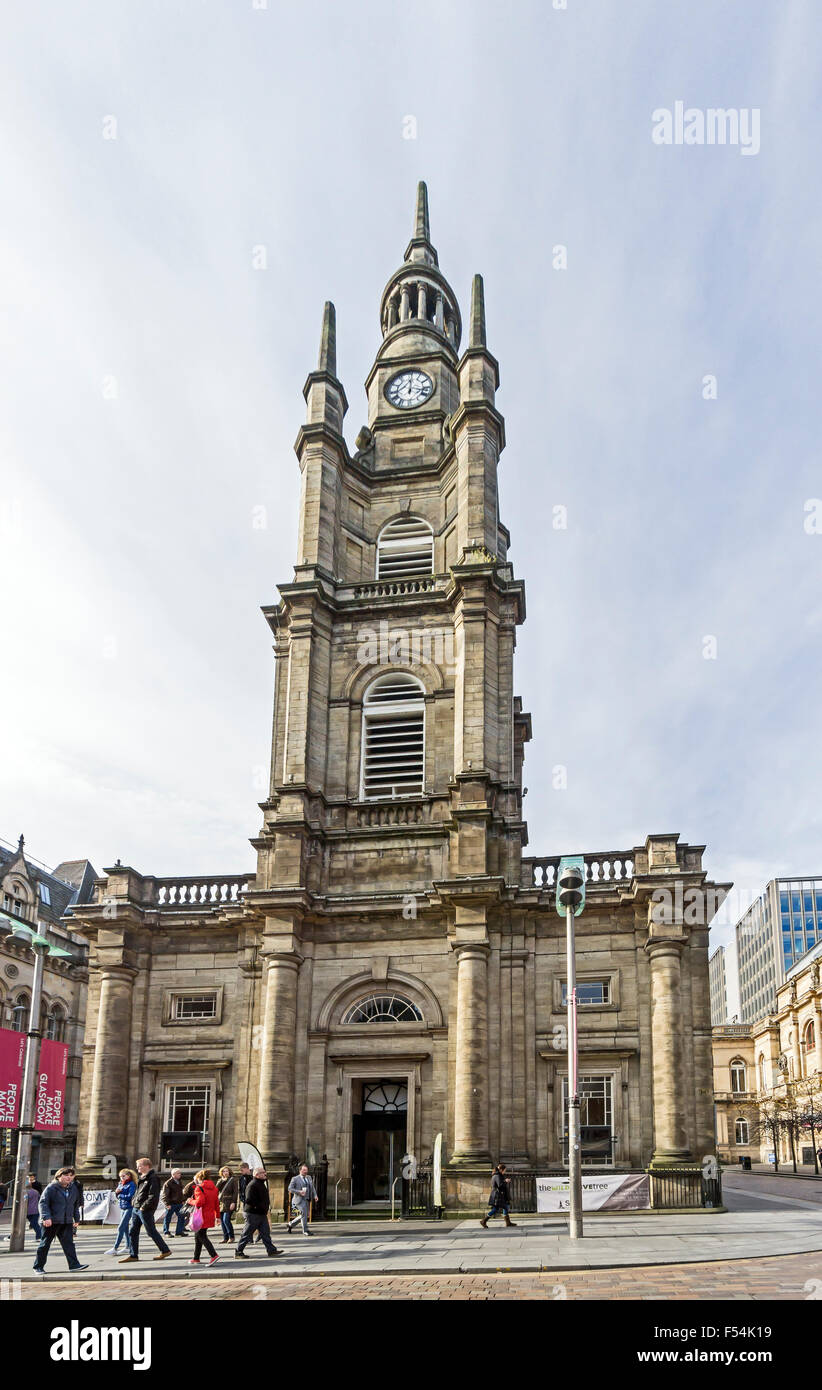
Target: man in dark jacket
{"points": [[59, 1209], [256, 1207], [173, 1198], [146, 1200]]}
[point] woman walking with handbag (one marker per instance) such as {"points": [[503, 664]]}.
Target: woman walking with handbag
{"points": [[229, 1190], [206, 1201]]}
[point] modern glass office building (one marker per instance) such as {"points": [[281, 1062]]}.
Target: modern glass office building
{"points": [[718, 987], [784, 923]]}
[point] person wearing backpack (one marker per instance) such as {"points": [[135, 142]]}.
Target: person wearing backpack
{"points": [[206, 1202]]}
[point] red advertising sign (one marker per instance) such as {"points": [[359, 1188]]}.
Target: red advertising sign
{"points": [[50, 1101], [12, 1057]]}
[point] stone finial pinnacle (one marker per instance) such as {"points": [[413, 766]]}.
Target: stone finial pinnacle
{"points": [[328, 340], [476, 337], [421, 226]]}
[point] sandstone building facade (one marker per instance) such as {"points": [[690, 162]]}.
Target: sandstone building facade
{"points": [[394, 968]]}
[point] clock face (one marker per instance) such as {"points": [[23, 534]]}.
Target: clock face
{"points": [[408, 389]]}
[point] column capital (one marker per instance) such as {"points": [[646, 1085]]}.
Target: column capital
{"points": [[479, 950], [284, 960], [665, 945]]}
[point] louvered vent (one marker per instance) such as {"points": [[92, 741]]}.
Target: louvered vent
{"points": [[405, 546], [393, 738]]}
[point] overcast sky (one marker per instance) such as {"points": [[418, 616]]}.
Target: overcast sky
{"points": [[152, 394]]}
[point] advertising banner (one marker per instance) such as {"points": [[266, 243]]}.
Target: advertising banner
{"points": [[12, 1057], [50, 1101], [600, 1192]]}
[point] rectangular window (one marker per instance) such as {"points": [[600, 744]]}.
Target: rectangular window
{"points": [[589, 992], [188, 1108], [45, 895], [595, 1120], [194, 1006]]}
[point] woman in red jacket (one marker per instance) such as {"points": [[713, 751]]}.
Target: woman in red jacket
{"points": [[206, 1199]]}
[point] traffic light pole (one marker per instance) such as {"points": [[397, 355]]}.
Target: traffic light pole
{"points": [[574, 1146]]}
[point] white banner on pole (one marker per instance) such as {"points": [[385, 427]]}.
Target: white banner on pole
{"points": [[600, 1192]]}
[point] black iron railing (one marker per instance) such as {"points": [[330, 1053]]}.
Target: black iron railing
{"points": [[418, 1196], [673, 1189]]}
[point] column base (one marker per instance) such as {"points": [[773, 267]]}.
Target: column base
{"points": [[472, 1160], [674, 1158], [94, 1170]]}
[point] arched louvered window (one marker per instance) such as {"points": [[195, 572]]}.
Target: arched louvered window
{"points": [[383, 1008], [56, 1024], [20, 1014], [405, 547], [393, 737]]}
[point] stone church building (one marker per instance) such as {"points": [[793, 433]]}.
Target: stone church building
{"points": [[395, 967]]}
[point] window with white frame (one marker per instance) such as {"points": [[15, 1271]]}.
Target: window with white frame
{"points": [[393, 742], [738, 1075], [589, 992], [405, 548], [742, 1132], [45, 895], [188, 1108], [194, 1006]]}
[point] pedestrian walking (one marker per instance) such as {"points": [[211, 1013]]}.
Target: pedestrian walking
{"points": [[256, 1207], [4, 1192], [59, 1210], [173, 1199], [146, 1201], [500, 1198], [124, 1192], [34, 1191], [243, 1179], [228, 1187], [303, 1193], [206, 1201]]}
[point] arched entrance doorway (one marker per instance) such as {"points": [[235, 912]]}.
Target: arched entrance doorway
{"points": [[379, 1137]]}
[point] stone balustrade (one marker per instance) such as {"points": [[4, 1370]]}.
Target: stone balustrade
{"points": [[208, 891], [395, 588], [601, 868], [387, 813]]}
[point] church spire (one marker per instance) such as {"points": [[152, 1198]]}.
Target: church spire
{"points": [[419, 248]]}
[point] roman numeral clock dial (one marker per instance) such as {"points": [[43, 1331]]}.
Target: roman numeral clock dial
{"points": [[409, 389]]}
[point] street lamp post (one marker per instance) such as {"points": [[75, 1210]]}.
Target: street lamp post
{"points": [[41, 948], [570, 901]]}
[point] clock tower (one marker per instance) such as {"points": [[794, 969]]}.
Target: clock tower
{"points": [[394, 969]]}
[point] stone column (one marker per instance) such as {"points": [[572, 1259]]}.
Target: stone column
{"points": [[109, 1079], [471, 1078], [670, 1136], [422, 300], [405, 305], [275, 1138]]}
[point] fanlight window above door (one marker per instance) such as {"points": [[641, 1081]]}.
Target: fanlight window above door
{"points": [[383, 1008], [393, 759], [405, 547], [388, 1096]]}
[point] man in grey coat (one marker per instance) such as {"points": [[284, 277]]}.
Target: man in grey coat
{"points": [[59, 1210], [303, 1193]]}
